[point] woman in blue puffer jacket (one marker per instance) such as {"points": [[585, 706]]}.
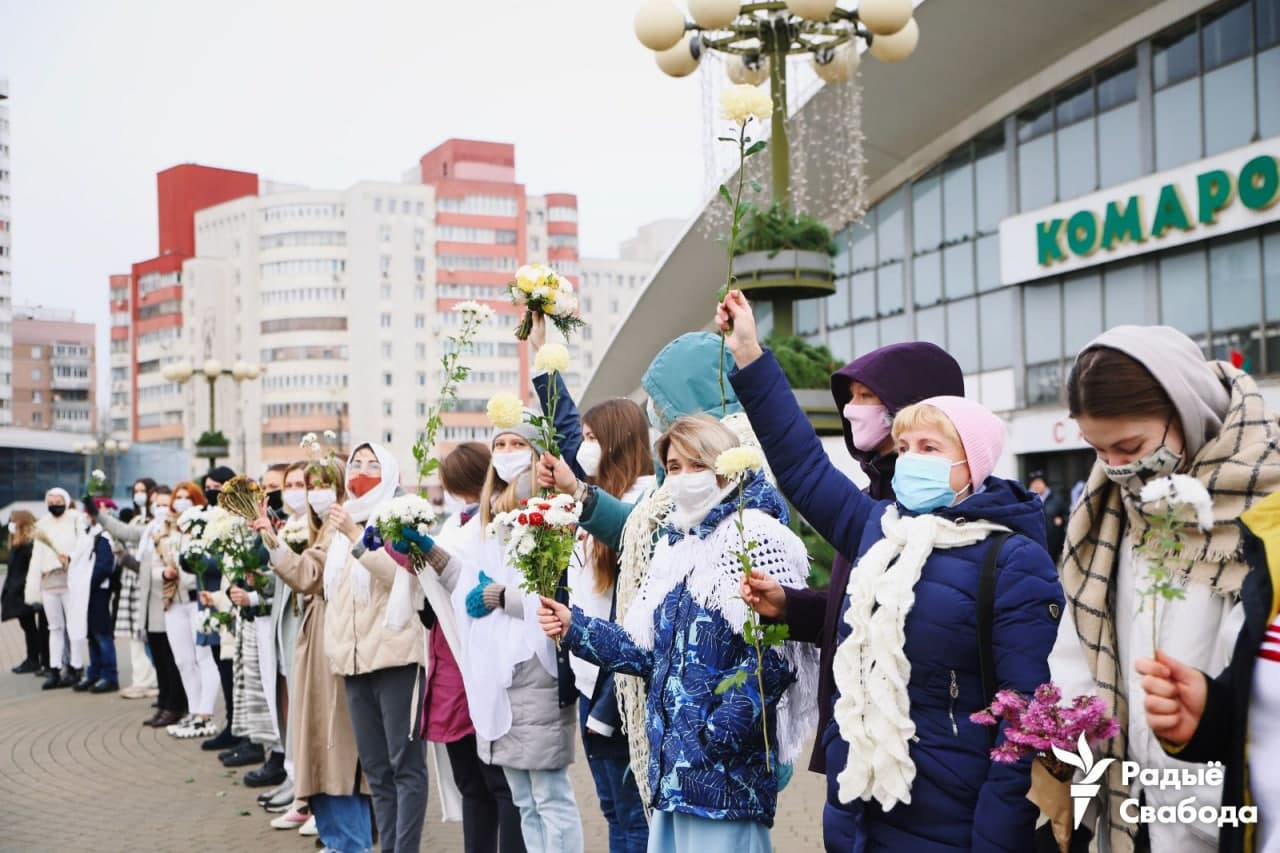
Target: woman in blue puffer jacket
{"points": [[906, 769]]}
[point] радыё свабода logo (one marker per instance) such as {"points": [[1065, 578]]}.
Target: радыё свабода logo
{"points": [[1083, 792]]}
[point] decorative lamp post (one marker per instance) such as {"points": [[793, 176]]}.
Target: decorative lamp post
{"points": [[212, 444], [758, 37], [102, 452]]}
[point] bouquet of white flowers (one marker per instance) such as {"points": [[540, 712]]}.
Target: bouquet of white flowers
{"points": [[541, 533], [402, 522], [229, 540], [538, 288], [296, 533]]}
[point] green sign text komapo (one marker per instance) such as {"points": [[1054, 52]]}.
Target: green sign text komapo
{"points": [[1082, 234]]}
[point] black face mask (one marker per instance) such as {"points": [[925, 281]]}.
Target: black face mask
{"points": [[275, 500], [211, 495], [56, 510]]}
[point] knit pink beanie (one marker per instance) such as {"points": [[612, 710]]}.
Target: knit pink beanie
{"points": [[981, 434]]}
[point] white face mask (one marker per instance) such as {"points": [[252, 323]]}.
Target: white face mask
{"points": [[139, 499], [160, 511], [589, 455], [295, 500], [695, 495], [180, 506], [321, 499], [510, 464], [453, 504]]}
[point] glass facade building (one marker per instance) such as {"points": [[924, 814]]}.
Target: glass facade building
{"points": [[925, 262]]}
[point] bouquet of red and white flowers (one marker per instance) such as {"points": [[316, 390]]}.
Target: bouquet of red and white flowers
{"points": [[541, 533]]}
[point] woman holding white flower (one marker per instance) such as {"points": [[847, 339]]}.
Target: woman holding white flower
{"points": [[713, 787], [1150, 405], [56, 539]]}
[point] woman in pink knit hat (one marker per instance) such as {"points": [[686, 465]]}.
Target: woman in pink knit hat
{"points": [[952, 596]]}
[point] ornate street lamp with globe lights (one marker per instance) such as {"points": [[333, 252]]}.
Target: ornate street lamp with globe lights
{"points": [[104, 453], [211, 445], [759, 36]]}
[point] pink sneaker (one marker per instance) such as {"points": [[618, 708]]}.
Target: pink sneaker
{"points": [[293, 819]]}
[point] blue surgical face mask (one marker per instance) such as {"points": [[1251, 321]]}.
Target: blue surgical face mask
{"points": [[923, 483]]}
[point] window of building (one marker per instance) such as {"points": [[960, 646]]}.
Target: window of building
{"points": [[386, 408], [1175, 63], [962, 333], [1183, 294], [387, 379], [37, 397], [420, 351], [35, 374], [386, 349], [1228, 78], [386, 436], [385, 290], [1081, 310], [1076, 151], [384, 320], [419, 321], [1235, 298], [1036, 173], [37, 352]]}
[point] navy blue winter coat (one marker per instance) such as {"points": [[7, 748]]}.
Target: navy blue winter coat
{"points": [[960, 799]]}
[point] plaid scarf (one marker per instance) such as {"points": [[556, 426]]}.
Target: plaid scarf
{"points": [[1239, 467]]}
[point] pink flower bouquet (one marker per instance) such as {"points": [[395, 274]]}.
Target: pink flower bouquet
{"points": [[1042, 723]]}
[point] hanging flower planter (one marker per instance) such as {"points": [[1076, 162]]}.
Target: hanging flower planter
{"points": [[786, 274]]}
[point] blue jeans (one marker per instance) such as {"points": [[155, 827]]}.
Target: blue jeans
{"points": [[619, 797], [102, 658], [343, 822], [549, 819]]}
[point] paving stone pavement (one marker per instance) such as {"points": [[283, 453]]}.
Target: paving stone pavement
{"points": [[78, 773]]}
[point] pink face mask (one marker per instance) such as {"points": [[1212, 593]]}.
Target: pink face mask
{"points": [[870, 425]]}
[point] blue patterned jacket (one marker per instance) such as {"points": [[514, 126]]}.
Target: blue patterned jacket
{"points": [[706, 751]]}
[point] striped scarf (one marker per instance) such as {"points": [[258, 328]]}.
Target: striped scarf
{"points": [[1239, 467]]}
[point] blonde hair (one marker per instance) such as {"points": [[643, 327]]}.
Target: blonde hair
{"points": [[699, 437], [924, 416], [500, 496]]}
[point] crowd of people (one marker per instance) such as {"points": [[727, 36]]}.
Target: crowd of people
{"points": [[353, 675]]}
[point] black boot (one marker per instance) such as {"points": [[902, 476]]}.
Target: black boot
{"points": [[70, 677], [83, 685], [25, 667], [53, 681], [271, 773]]}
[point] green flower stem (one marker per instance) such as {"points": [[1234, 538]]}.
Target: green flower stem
{"points": [[733, 245], [454, 373], [752, 628]]}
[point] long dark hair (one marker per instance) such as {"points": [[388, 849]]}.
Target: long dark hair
{"points": [[622, 429]]}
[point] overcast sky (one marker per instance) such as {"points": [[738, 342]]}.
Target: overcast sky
{"points": [[105, 94]]}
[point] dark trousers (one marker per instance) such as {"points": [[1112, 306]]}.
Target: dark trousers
{"points": [[36, 631], [394, 762], [226, 671], [490, 821], [168, 680], [102, 658]]}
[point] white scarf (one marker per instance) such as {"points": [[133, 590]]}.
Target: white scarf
{"points": [[871, 666], [338, 557], [63, 533]]}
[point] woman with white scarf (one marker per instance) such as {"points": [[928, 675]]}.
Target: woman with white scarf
{"points": [[374, 639], [66, 608]]}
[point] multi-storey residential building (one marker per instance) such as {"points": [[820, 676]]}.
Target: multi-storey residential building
{"points": [[156, 326], [53, 370], [345, 298], [610, 286], [120, 403], [6, 266]]}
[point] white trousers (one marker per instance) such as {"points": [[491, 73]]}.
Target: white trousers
{"points": [[55, 611], [143, 672], [266, 638], [76, 604], [196, 664]]}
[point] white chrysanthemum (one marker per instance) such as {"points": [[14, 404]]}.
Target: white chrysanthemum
{"points": [[566, 304], [1181, 490], [552, 358], [736, 462], [475, 309], [505, 410], [739, 103], [98, 475], [330, 434], [296, 531], [541, 292], [309, 438]]}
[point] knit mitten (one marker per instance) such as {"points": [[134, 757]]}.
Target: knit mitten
{"points": [[477, 605]]}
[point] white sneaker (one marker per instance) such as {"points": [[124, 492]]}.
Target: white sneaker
{"points": [[198, 728], [181, 724], [294, 819], [309, 828]]}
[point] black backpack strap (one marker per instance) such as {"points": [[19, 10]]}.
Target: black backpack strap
{"points": [[986, 614]]}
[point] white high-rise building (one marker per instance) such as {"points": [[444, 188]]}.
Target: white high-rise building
{"points": [[6, 266], [610, 286]]}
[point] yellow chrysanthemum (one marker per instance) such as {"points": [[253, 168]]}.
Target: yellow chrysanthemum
{"points": [[738, 461], [553, 358], [739, 103], [505, 410], [532, 276]]}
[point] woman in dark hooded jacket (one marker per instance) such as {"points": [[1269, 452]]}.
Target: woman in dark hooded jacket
{"points": [[906, 768]]}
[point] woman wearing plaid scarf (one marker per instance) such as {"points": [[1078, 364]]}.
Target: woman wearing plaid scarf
{"points": [[1150, 405]]}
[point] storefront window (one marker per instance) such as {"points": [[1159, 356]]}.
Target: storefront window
{"points": [[806, 316], [963, 334], [1036, 174], [926, 278], [1228, 106], [1183, 296], [1267, 26], [1224, 35], [957, 194], [894, 330], [889, 227], [957, 262], [1120, 158], [1271, 289], [842, 262], [840, 342], [996, 310], [1175, 55], [838, 304], [1041, 318], [926, 211], [1117, 83], [889, 289], [1178, 124], [863, 304], [989, 262], [1081, 311], [865, 339], [1125, 295], [1268, 85], [1235, 283], [931, 326], [1077, 168], [862, 242], [993, 192]]}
